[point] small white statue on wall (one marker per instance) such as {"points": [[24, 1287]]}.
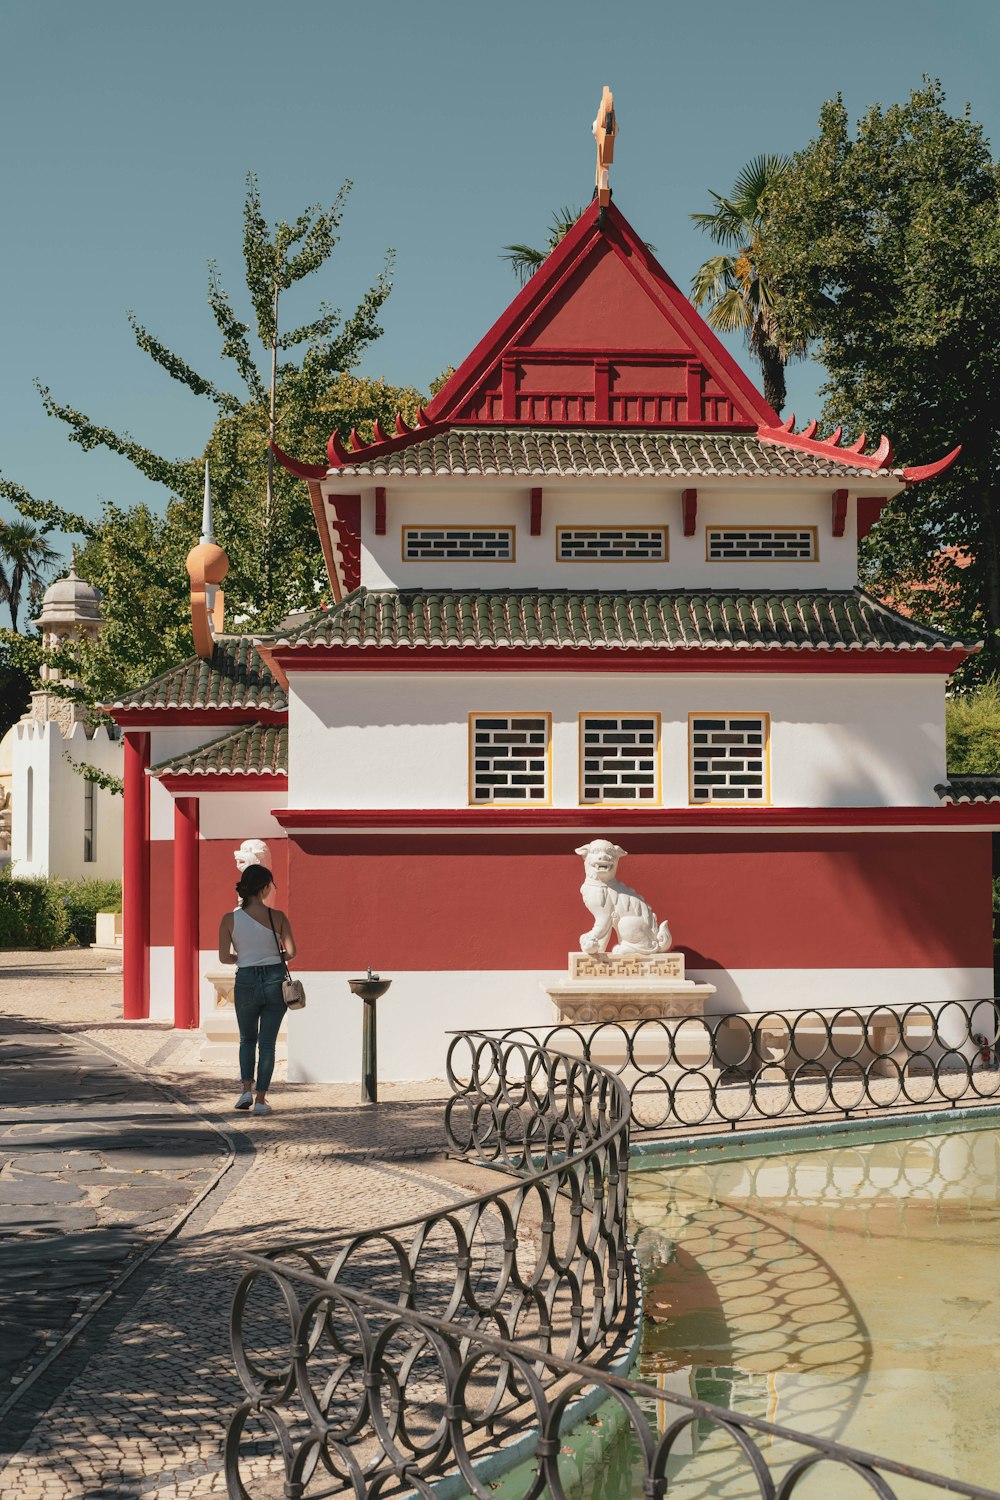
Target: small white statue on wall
{"points": [[252, 852], [616, 907]]}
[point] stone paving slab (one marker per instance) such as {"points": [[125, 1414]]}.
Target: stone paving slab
{"points": [[70, 1218], [146, 1391]]}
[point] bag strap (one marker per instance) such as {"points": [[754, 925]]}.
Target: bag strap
{"points": [[284, 960]]}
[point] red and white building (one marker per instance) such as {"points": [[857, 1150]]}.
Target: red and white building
{"points": [[600, 590]]}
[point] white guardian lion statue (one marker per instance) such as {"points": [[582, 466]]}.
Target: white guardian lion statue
{"points": [[252, 852], [617, 907]]}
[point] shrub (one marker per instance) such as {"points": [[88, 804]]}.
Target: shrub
{"points": [[39, 913], [83, 899], [973, 725], [32, 915]]}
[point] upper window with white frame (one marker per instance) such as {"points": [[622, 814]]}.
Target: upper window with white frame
{"points": [[509, 758], [729, 758], [620, 758], [761, 544], [633, 544], [458, 543]]}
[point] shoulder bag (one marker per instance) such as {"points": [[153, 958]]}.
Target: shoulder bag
{"points": [[292, 990]]}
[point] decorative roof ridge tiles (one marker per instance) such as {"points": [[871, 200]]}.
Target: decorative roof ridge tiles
{"points": [[235, 676], [644, 619], [250, 750], [580, 451], [959, 789]]}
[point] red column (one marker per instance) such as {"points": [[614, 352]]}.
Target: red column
{"points": [[135, 878], [186, 1009]]}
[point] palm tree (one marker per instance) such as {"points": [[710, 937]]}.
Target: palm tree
{"points": [[740, 296], [525, 260], [25, 558]]}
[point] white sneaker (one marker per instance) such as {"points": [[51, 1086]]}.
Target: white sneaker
{"points": [[262, 1109], [244, 1101]]}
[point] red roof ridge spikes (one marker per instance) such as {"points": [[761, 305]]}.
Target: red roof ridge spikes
{"points": [[853, 454]]}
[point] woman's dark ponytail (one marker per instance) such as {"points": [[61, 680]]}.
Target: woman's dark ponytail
{"points": [[255, 878]]}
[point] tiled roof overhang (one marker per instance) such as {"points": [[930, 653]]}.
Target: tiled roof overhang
{"points": [[666, 630], [582, 453], [254, 757], [233, 687], [969, 789]]}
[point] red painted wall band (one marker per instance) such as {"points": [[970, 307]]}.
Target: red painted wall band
{"points": [[944, 817], [195, 783], [939, 662], [195, 718], [840, 901]]}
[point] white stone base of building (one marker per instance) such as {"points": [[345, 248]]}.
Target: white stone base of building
{"points": [[421, 1008]]}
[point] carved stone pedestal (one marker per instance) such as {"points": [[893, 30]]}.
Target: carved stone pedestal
{"points": [[627, 988], [602, 989], [220, 1027]]}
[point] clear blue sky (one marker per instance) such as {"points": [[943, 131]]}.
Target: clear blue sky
{"points": [[128, 129]]}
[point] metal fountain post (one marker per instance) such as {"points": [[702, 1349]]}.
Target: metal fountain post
{"points": [[370, 990]]}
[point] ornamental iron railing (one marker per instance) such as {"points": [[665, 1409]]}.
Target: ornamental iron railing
{"points": [[543, 1262], [428, 1356], [685, 1073]]}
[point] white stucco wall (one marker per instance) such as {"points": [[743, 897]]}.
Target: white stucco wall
{"points": [[401, 739], [223, 815], [421, 1008], [606, 503], [56, 804], [241, 815]]}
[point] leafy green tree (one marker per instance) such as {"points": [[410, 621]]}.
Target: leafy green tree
{"points": [[15, 687], [262, 514], [26, 559], [740, 295], [524, 260], [886, 246], [973, 730], [137, 557]]}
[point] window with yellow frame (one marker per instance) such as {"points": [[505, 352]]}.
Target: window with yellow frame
{"points": [[729, 759], [620, 758], [510, 759]]}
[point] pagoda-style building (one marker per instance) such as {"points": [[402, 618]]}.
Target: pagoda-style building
{"points": [[600, 590]]}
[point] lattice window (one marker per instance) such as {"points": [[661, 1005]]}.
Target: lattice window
{"points": [[458, 544], [611, 544], [509, 757], [619, 758], [762, 544], [729, 758]]}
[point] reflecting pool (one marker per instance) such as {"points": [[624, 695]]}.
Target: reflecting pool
{"points": [[851, 1293]]}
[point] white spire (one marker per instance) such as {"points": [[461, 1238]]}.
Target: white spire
{"points": [[207, 534]]}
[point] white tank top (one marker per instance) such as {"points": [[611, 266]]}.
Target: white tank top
{"points": [[254, 944]]}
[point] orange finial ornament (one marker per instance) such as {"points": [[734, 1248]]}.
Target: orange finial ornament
{"points": [[605, 130], [207, 565]]}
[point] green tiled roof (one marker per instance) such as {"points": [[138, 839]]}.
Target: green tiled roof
{"points": [[674, 619], [251, 750], [234, 677], [969, 789], [587, 452]]}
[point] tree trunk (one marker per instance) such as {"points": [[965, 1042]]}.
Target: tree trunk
{"points": [[269, 501], [773, 369], [990, 505]]}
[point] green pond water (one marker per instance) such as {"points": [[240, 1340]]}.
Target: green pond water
{"points": [[852, 1293]]}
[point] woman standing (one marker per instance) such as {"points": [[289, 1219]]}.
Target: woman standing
{"points": [[252, 937]]}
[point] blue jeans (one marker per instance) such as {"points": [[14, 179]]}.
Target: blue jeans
{"points": [[260, 1010]]}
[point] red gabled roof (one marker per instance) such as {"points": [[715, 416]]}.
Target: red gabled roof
{"points": [[601, 335]]}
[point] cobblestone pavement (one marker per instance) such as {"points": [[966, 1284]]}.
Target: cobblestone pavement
{"points": [[137, 1404]]}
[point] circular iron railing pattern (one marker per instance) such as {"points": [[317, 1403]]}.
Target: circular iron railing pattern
{"points": [[686, 1073], [380, 1363]]}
